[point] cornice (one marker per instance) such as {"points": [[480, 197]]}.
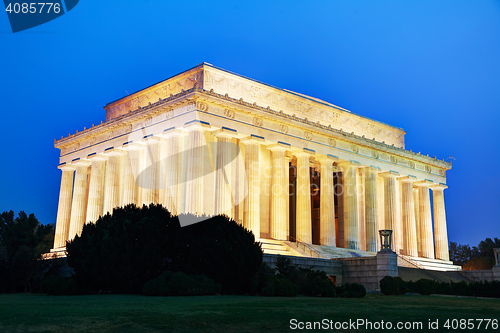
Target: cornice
{"points": [[191, 95]]}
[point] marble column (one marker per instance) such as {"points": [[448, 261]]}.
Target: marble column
{"points": [[251, 217], [417, 220], [194, 172], [162, 176], [79, 203], [173, 169], [151, 171], [303, 192], [350, 197], [391, 211], [360, 184], [279, 192], [94, 206], [112, 181], [425, 216], [371, 208], [440, 230], [64, 207], [409, 224], [327, 203], [224, 175], [130, 174]]}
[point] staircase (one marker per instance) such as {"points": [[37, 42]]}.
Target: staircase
{"points": [[272, 246], [415, 274], [425, 263]]}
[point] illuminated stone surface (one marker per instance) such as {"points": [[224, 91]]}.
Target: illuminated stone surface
{"points": [[208, 141]]}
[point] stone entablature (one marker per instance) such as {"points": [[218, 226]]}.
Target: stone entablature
{"points": [[310, 133], [211, 78]]}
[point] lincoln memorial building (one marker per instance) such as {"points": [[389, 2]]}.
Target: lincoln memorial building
{"points": [[308, 178]]}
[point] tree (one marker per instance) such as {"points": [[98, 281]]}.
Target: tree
{"points": [[119, 253], [486, 247], [464, 254], [22, 240], [460, 254]]}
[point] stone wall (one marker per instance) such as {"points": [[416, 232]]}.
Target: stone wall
{"points": [[368, 271], [478, 275], [330, 267]]}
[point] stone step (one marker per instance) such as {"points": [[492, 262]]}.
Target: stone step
{"points": [[274, 247], [269, 241], [281, 252], [431, 264]]}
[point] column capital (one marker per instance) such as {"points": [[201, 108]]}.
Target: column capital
{"points": [[280, 146], [112, 151], [345, 164], [81, 162], [97, 157], [150, 139], [173, 132], [66, 167], [373, 168], [439, 186], [304, 152], [253, 139], [389, 174], [130, 146], [196, 124], [327, 159], [225, 132], [407, 179], [423, 183]]}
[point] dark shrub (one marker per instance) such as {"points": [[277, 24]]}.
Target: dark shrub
{"points": [[341, 291], [317, 284], [389, 286], [425, 286], [121, 252], [462, 288], [180, 284], [355, 290], [265, 272], [351, 290], [309, 282], [220, 249], [58, 285], [278, 285], [393, 286], [402, 287], [410, 285]]}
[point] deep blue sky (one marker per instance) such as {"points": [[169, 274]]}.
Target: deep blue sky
{"points": [[430, 67]]}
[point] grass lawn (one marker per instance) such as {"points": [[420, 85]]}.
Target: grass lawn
{"points": [[130, 313]]}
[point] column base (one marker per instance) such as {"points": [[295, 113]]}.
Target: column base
{"points": [[59, 252]]}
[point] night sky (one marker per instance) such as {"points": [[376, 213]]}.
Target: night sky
{"points": [[430, 67]]}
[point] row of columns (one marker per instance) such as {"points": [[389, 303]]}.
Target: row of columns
{"points": [[407, 211], [114, 178], [111, 179]]}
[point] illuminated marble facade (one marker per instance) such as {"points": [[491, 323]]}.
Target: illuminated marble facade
{"points": [[208, 141]]}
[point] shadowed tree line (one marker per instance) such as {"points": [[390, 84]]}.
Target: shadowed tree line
{"points": [[475, 257], [22, 240]]}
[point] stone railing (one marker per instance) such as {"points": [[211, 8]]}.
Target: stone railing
{"points": [[412, 263]]}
